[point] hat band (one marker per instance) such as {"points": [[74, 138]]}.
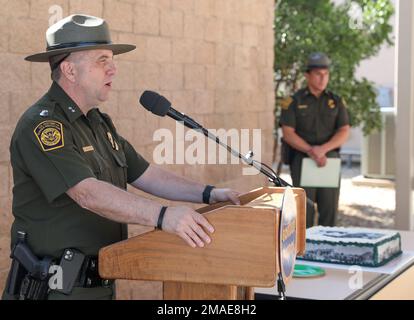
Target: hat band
{"points": [[76, 45]]}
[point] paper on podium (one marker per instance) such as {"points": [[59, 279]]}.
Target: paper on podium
{"points": [[325, 177]]}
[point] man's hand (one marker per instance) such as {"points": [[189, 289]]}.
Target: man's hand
{"points": [[318, 154], [188, 224], [321, 162], [220, 195]]}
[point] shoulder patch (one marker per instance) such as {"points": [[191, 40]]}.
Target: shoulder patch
{"points": [[286, 103], [49, 133]]}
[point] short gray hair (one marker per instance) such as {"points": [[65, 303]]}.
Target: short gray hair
{"points": [[54, 63]]}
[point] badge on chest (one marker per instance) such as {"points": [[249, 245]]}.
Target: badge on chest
{"points": [[114, 144]]}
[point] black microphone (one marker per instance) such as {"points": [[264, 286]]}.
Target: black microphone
{"points": [[160, 106]]}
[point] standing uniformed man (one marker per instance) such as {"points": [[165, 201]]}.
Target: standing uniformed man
{"points": [[315, 124], [71, 169]]}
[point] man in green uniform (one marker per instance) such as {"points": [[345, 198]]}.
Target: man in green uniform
{"points": [[315, 124], [71, 167]]}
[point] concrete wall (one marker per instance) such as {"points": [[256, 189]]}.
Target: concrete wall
{"points": [[212, 58]]}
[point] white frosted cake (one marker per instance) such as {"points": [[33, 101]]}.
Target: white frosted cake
{"points": [[353, 246]]}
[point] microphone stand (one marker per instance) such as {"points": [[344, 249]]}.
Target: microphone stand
{"points": [[248, 159], [263, 168]]}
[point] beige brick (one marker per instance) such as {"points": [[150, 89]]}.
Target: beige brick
{"points": [[21, 100], [270, 57], [110, 106], [270, 13], [205, 53], [258, 57], [183, 51], [144, 133], [250, 35], [194, 77], [214, 30], [4, 172], [267, 37], [15, 73], [15, 8], [216, 77], [40, 76], [258, 100], [194, 27], [242, 56], [266, 120], [128, 105], [6, 215], [147, 76], [4, 107], [158, 49], [119, 15], [243, 101], [48, 11], [224, 55], [141, 46], [232, 32], [223, 9], [126, 127], [186, 6], [270, 99], [183, 100], [6, 133], [31, 36], [225, 101], [164, 5], [4, 251], [248, 79], [243, 11], [204, 8], [172, 77], [90, 7], [260, 10], [4, 34], [266, 79], [147, 20], [172, 23], [204, 102], [125, 76]]}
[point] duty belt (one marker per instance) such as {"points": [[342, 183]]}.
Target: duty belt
{"points": [[88, 275]]}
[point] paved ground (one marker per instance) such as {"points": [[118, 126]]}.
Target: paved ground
{"points": [[363, 206]]}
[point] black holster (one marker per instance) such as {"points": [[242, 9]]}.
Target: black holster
{"points": [[28, 278]]}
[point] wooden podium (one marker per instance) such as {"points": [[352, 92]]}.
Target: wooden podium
{"points": [[242, 255]]}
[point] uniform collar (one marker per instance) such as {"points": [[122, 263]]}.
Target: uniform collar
{"points": [[307, 92], [69, 107]]}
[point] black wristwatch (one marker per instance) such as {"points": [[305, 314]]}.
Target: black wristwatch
{"points": [[161, 218], [207, 193]]}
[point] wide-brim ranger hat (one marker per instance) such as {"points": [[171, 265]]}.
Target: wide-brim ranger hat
{"points": [[78, 32], [318, 60]]}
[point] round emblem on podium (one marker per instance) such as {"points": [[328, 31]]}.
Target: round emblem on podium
{"points": [[287, 235]]}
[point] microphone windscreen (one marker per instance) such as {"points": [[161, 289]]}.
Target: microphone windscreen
{"points": [[155, 103]]}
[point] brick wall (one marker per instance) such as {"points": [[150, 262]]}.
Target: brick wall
{"points": [[212, 58]]}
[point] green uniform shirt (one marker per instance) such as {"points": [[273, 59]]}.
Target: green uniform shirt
{"points": [[314, 119], [55, 146]]}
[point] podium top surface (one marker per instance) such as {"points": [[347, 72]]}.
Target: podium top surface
{"points": [[242, 252]]}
